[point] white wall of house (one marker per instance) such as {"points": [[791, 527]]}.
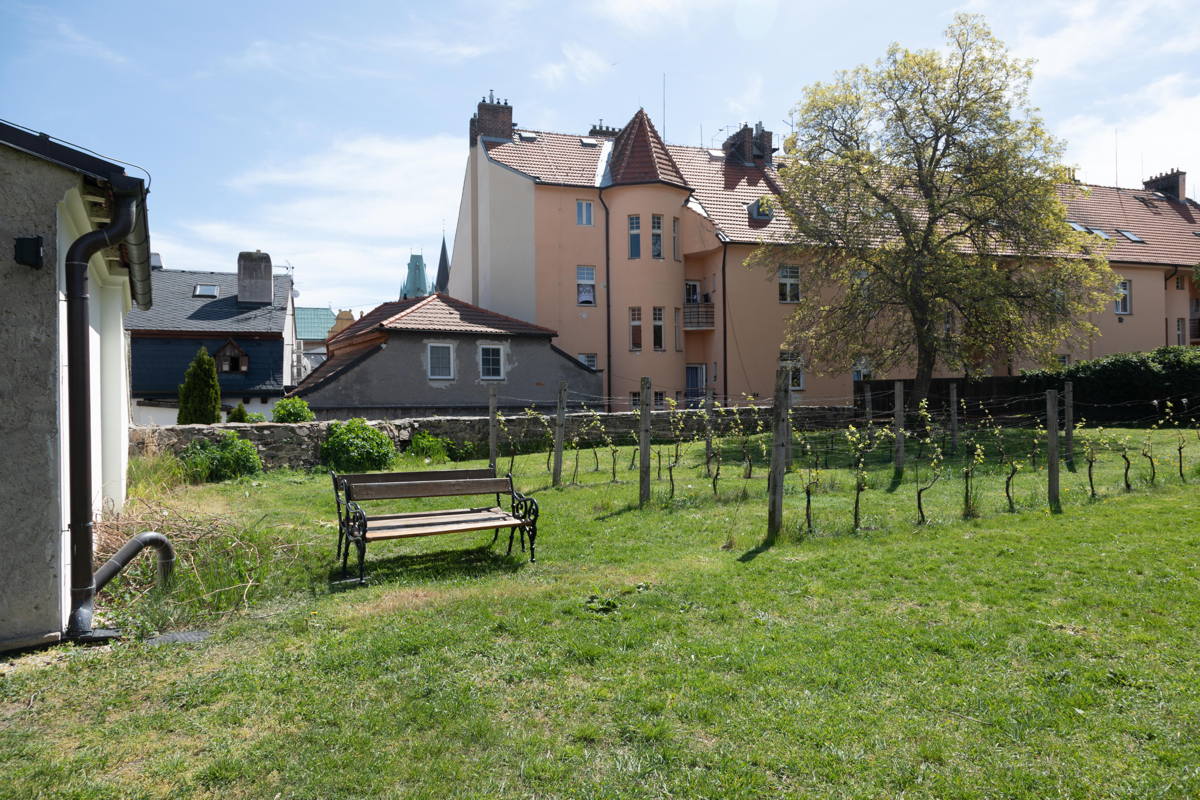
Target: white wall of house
{"points": [[146, 415]]}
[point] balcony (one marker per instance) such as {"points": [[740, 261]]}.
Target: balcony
{"points": [[698, 317]]}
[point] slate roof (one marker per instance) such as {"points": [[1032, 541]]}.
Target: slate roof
{"points": [[175, 309], [313, 323], [439, 313]]}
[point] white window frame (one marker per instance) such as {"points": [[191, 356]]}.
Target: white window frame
{"points": [[635, 235], [1123, 305], [659, 401], [656, 237], [794, 361], [635, 399], [1180, 330], [581, 280], [206, 290], [789, 284], [587, 359], [635, 321], [479, 359], [658, 333], [583, 213], [429, 361]]}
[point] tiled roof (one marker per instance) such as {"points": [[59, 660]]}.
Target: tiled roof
{"points": [[1167, 227], [639, 155], [176, 309], [725, 189], [439, 313], [313, 323], [559, 158]]}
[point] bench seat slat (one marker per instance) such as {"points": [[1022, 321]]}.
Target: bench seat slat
{"points": [[400, 490], [404, 529]]}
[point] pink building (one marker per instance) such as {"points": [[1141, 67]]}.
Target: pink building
{"points": [[634, 251]]}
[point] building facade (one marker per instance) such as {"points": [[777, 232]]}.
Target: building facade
{"points": [[636, 250]]}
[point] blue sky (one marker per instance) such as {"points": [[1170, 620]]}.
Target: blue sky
{"points": [[334, 135]]}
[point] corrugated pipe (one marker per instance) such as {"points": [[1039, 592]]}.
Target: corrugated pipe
{"points": [[127, 192], [121, 559]]}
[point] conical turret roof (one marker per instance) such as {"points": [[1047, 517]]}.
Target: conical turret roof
{"points": [[443, 271], [640, 156]]}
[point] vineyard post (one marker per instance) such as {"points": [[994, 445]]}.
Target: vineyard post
{"points": [[708, 426], [644, 444], [898, 429], [493, 430], [787, 421], [1052, 451], [1069, 424], [781, 442], [953, 418], [560, 424], [867, 409]]}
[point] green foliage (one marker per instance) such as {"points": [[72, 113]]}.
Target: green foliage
{"points": [[424, 444], [924, 196], [230, 456], [238, 414], [254, 416], [354, 446], [292, 409], [1125, 387], [200, 393], [156, 474]]}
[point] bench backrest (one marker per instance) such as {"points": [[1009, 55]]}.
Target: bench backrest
{"points": [[396, 490], [360, 478]]}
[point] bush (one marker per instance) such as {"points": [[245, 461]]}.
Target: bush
{"points": [[230, 456], [292, 409], [254, 416], [425, 445], [200, 393], [354, 446], [460, 451], [238, 414]]}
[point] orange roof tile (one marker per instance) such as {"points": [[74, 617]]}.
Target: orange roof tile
{"points": [[557, 158], [639, 155], [438, 313], [1170, 229]]}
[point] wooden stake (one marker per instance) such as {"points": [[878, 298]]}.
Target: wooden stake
{"points": [[870, 412], [560, 424], [1069, 424], [953, 418], [898, 430], [780, 444], [708, 428], [493, 430], [644, 445], [1052, 451]]}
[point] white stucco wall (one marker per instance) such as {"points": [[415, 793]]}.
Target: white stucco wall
{"points": [[157, 415]]}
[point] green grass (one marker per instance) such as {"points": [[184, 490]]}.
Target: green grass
{"points": [[1015, 655]]}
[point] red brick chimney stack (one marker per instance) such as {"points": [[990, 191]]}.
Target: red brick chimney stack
{"points": [[1172, 184], [493, 119], [748, 144]]}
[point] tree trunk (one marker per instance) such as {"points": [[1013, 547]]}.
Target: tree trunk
{"points": [[926, 357]]}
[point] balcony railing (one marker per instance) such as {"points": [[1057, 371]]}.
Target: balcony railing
{"points": [[698, 317]]}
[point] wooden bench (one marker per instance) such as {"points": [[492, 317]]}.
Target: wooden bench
{"points": [[356, 527]]}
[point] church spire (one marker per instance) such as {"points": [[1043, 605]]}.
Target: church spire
{"points": [[442, 284], [415, 285]]}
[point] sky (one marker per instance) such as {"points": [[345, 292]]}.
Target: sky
{"points": [[334, 135]]}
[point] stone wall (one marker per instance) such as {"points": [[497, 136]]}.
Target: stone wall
{"points": [[299, 444]]}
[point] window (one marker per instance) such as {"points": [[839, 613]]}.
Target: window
{"points": [[691, 292], [1178, 281], [1180, 331], [760, 210], [587, 359], [585, 286], [583, 212], [660, 400], [635, 236], [1099, 233], [635, 327], [1064, 360], [656, 250], [1077, 226], [675, 238], [206, 290], [678, 330], [793, 360], [1131, 236], [1124, 302], [861, 371], [491, 362], [231, 358], [789, 284], [635, 399], [441, 361], [657, 319]]}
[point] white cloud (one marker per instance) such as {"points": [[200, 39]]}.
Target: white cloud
{"points": [[71, 39], [749, 99], [751, 19], [1152, 134], [579, 64], [346, 217]]}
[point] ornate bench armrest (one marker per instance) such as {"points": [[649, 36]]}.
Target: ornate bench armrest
{"points": [[524, 508]]}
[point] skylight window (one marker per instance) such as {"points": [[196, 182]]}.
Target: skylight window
{"points": [[1099, 233], [525, 136], [206, 290], [1131, 236], [717, 153], [760, 210], [588, 141], [1077, 226]]}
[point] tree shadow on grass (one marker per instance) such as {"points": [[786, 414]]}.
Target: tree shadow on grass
{"points": [[475, 562]]}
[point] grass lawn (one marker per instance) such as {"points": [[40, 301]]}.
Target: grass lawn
{"points": [[650, 653]]}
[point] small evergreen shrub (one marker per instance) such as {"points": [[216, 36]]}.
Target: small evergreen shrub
{"points": [[230, 456], [354, 446], [238, 414], [292, 409], [200, 393], [425, 445]]}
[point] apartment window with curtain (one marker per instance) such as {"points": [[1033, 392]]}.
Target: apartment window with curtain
{"points": [[585, 286], [635, 327], [583, 212], [675, 238], [789, 284], [656, 250], [635, 399], [635, 236], [678, 330], [1124, 302], [657, 319]]}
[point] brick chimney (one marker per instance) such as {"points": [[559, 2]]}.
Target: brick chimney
{"points": [[603, 131], [493, 119], [1172, 184], [762, 144], [748, 144]]}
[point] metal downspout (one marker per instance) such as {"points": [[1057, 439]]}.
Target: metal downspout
{"points": [[724, 325], [607, 310]]}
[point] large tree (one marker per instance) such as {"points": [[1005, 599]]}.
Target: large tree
{"points": [[926, 198]]}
